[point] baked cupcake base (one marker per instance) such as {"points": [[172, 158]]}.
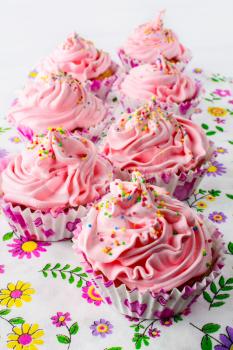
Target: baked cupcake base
{"points": [[43, 226], [162, 305]]}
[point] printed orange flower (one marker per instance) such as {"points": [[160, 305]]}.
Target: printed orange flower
{"points": [[201, 205], [210, 198], [217, 111], [26, 337], [16, 294]]}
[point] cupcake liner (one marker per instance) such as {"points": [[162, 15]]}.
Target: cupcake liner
{"points": [[162, 305], [129, 62], [43, 226], [180, 186]]}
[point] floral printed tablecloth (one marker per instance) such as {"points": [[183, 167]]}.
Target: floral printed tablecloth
{"points": [[47, 301]]}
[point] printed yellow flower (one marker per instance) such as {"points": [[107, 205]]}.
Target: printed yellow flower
{"points": [[26, 337], [210, 198], [217, 111], [201, 205], [16, 294]]}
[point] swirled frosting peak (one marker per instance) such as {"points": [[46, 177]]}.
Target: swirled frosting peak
{"points": [[56, 100], [153, 141], [80, 58], [139, 236], [56, 170], [151, 39]]}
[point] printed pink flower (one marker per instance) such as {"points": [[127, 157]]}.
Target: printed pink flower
{"points": [[26, 246], [60, 319], [91, 295], [230, 101], [154, 332], [220, 121], [166, 323], [222, 93], [2, 268]]}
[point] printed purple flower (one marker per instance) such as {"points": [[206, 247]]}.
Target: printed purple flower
{"points": [[226, 340], [222, 93], [220, 150], [27, 247], [184, 107], [95, 85], [15, 139], [91, 295], [217, 217], [101, 328], [2, 268], [3, 153], [154, 332], [216, 169], [165, 314], [166, 323], [197, 70], [60, 319], [220, 121]]}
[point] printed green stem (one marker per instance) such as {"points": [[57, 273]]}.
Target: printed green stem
{"points": [[5, 319], [197, 199], [206, 333], [69, 337], [215, 294], [145, 330]]}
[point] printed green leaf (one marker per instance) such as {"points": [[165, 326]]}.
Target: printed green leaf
{"points": [[8, 236], [202, 191], [114, 348], [219, 128], [211, 133], [54, 274], [205, 126], [221, 281], [229, 281], [206, 343], [146, 339], [45, 273], [71, 279], [80, 283], [74, 328], [57, 266], [17, 320], [211, 328], [222, 296], [227, 288], [63, 275], [4, 312], [66, 267], [47, 266], [230, 142], [218, 304], [77, 269], [83, 275], [229, 196], [177, 318], [207, 297], [213, 288], [214, 193], [63, 339]]}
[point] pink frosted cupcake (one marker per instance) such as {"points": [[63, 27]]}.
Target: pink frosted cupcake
{"points": [[150, 253], [49, 186], [80, 58], [170, 151], [58, 100], [150, 40], [172, 90]]}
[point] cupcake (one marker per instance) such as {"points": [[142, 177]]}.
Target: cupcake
{"points": [[58, 100], [150, 40], [170, 151], [80, 58], [150, 253], [52, 184], [172, 90]]}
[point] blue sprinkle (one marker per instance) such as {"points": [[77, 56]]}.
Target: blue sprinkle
{"points": [[116, 228], [89, 225]]}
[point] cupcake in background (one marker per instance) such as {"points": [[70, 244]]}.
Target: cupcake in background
{"points": [[150, 40], [81, 59], [170, 151], [150, 253], [58, 100], [172, 90], [51, 185]]}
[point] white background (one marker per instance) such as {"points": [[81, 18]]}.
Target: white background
{"points": [[30, 29]]}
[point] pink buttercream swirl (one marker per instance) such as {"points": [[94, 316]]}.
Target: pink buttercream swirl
{"points": [[56, 170], [150, 40], [153, 142], [78, 57], [139, 236], [56, 100], [162, 81]]}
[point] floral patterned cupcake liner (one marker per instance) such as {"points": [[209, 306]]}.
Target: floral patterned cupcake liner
{"points": [[162, 305], [129, 62], [43, 226]]}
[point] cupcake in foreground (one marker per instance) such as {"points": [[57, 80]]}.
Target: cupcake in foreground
{"points": [[81, 59], [49, 186], [150, 253], [58, 100], [173, 91], [170, 151], [150, 40]]}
